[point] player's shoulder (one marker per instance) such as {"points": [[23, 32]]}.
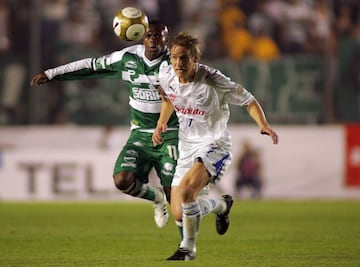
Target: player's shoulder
{"points": [[206, 70], [165, 70], [166, 77], [137, 49], [210, 74], [134, 50]]}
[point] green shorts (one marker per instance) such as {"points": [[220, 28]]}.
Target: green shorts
{"points": [[139, 156]]}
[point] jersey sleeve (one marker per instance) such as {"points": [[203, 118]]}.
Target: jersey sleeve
{"points": [[164, 74], [70, 71], [239, 96], [232, 92], [107, 66]]}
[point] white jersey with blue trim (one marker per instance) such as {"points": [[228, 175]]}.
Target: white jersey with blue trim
{"points": [[202, 105]]}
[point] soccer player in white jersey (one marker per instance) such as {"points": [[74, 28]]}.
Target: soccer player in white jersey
{"points": [[138, 65], [200, 96]]}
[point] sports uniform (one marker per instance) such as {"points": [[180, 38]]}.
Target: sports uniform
{"points": [[200, 96], [141, 75], [203, 112]]}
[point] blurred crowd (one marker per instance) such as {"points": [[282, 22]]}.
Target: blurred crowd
{"points": [[233, 29]]}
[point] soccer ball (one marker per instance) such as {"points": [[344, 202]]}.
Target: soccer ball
{"points": [[130, 24]]}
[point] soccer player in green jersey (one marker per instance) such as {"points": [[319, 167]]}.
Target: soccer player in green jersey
{"points": [[138, 65]]}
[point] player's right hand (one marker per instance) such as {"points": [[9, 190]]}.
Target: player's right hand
{"points": [[39, 79], [157, 138]]}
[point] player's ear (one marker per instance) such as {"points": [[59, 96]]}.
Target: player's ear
{"points": [[165, 34]]}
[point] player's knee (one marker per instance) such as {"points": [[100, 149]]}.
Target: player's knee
{"points": [[188, 193], [123, 180]]}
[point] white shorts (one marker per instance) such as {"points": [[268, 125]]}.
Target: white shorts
{"points": [[216, 158]]}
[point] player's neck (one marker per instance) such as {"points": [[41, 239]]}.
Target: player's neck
{"points": [[188, 78], [153, 55]]}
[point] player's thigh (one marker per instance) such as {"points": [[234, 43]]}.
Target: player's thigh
{"points": [[195, 178], [131, 159], [165, 161], [216, 158]]}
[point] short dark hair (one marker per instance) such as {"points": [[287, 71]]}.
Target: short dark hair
{"points": [[156, 22], [188, 41], [165, 31], [160, 23]]}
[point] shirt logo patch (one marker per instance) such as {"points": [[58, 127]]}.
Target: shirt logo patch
{"points": [[131, 65], [172, 97], [168, 166], [201, 99]]}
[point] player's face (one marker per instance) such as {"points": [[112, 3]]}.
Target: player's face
{"points": [[155, 41], [183, 63]]}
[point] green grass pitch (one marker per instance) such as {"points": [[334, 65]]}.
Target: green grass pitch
{"points": [[262, 233]]}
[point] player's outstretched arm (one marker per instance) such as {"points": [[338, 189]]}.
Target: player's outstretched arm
{"points": [[256, 112], [39, 79], [167, 109]]}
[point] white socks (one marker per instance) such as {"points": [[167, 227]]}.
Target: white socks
{"points": [[192, 214], [211, 205], [191, 221]]}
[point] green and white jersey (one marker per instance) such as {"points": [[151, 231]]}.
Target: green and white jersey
{"points": [[130, 65]]}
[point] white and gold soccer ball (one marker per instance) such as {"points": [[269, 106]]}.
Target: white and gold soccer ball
{"points": [[130, 24]]}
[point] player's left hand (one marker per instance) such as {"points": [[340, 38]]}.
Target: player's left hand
{"points": [[271, 133]]}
